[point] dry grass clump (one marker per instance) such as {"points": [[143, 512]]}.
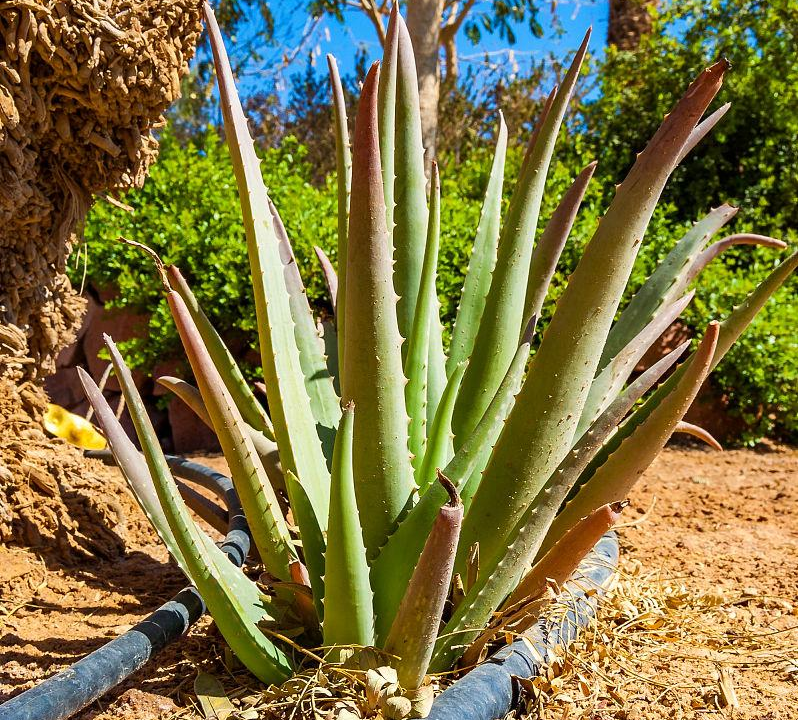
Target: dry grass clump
{"points": [[661, 643], [360, 685]]}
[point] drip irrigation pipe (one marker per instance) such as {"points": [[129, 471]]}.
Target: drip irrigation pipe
{"points": [[491, 690], [73, 689], [220, 485], [488, 692]]}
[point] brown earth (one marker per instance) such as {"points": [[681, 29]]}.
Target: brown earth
{"points": [[50, 495], [708, 591]]}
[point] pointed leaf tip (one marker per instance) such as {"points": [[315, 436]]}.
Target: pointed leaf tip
{"points": [[451, 490], [700, 433], [585, 40]]}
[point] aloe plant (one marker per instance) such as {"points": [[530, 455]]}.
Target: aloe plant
{"points": [[407, 472]]}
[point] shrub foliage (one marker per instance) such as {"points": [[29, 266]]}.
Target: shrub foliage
{"points": [[188, 208]]}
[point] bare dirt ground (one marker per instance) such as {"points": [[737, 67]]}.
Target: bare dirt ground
{"points": [[703, 618]]}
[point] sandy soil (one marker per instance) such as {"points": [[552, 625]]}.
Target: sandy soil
{"points": [[708, 597]]}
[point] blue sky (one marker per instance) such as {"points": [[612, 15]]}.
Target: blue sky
{"points": [[294, 28]]}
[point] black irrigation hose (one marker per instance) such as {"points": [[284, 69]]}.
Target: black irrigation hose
{"points": [[219, 484], [71, 690], [491, 690], [488, 692]]}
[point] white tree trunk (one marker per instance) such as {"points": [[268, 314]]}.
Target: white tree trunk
{"points": [[424, 25]]}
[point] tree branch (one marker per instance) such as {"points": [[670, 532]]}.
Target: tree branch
{"points": [[455, 21], [448, 38], [373, 13]]}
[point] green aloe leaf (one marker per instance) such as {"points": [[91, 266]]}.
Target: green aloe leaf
{"points": [[482, 260], [348, 613], [552, 241], [522, 609], [702, 130], [324, 402], [436, 362], [343, 163], [541, 427], [251, 410], [666, 283], [415, 628], [386, 111], [372, 374], [330, 337], [439, 440], [708, 255], [330, 276], [538, 518], [133, 466], [559, 563], [269, 532], [410, 185], [266, 448], [234, 601], [294, 424], [503, 317], [416, 362], [391, 570], [608, 383], [499, 574], [730, 329], [313, 543], [634, 448], [189, 395]]}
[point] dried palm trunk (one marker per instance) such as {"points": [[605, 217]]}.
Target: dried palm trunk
{"points": [[82, 85]]}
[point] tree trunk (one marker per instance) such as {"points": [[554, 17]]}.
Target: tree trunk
{"points": [[452, 62], [629, 21], [84, 83], [424, 25]]}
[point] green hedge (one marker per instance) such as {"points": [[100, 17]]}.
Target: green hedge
{"points": [[188, 211]]}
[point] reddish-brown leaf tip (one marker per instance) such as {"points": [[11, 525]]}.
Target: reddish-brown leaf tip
{"points": [[451, 490], [619, 506]]}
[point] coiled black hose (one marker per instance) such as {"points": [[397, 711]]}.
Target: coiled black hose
{"points": [[491, 690], [488, 692], [71, 690]]}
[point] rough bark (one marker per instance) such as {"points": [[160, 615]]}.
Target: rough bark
{"points": [[629, 21], [424, 25], [449, 40], [83, 83]]}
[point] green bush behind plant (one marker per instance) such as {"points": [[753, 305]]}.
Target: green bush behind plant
{"points": [[188, 209], [188, 212]]}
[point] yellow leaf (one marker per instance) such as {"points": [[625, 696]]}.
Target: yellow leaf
{"points": [[74, 429]]}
